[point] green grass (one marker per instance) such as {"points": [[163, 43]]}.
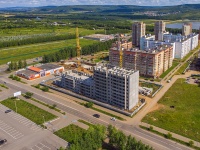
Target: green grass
{"points": [[36, 50], [86, 123], [2, 85], [29, 111], [57, 30], [182, 68], [184, 119], [164, 135], [70, 133], [174, 64]]}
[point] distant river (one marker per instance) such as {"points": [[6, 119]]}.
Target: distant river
{"points": [[195, 25]]}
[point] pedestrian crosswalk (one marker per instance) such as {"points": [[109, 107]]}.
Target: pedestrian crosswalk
{"points": [[21, 119], [10, 130]]}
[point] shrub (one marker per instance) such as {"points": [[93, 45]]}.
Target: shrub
{"points": [[28, 94], [89, 104], [150, 128], [168, 135], [45, 89], [190, 143], [37, 86]]}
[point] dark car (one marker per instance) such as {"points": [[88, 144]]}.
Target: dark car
{"points": [[7, 111], [96, 115], [3, 141]]}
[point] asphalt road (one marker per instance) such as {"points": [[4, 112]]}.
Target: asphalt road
{"points": [[153, 140]]}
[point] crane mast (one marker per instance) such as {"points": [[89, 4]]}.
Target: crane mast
{"points": [[78, 48]]}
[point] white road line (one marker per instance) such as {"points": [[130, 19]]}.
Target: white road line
{"points": [[38, 147], [45, 146]]}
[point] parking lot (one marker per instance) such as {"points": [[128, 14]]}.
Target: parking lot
{"points": [[23, 134]]}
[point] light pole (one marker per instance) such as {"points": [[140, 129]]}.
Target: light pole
{"points": [[43, 119], [16, 106]]}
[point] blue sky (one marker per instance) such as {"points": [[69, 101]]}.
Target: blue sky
{"points": [[33, 3]]}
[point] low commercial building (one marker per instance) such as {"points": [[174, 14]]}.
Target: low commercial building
{"points": [[99, 37], [112, 85], [34, 72]]}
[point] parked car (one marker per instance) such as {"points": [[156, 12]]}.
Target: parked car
{"points": [[7, 111], [96, 115], [113, 118], [3, 141]]}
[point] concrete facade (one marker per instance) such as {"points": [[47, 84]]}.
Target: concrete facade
{"points": [[112, 85], [186, 29], [150, 63], [138, 30], [159, 29]]}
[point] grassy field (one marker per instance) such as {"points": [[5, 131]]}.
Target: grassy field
{"points": [[29, 111], [36, 50], [184, 118], [70, 132], [57, 30]]}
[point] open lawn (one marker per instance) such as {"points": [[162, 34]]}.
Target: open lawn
{"points": [[41, 30], [29, 111], [36, 50], [70, 132], [180, 111]]}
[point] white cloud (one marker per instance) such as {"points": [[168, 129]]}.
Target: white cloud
{"points": [[33, 3]]}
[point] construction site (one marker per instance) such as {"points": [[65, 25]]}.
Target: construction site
{"points": [[106, 84]]}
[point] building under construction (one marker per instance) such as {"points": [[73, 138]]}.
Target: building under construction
{"points": [[112, 85]]}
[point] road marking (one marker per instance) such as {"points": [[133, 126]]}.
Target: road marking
{"points": [[44, 146]]}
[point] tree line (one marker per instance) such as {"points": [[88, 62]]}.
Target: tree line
{"points": [[17, 65], [19, 42], [94, 137], [71, 51]]}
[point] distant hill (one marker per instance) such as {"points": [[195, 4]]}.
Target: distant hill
{"points": [[102, 8]]}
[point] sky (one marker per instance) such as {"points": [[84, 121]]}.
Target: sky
{"points": [[36, 3]]}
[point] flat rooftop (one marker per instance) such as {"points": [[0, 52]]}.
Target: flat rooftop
{"points": [[116, 70], [27, 72], [48, 66]]}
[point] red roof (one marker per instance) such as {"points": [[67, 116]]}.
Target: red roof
{"points": [[35, 69]]}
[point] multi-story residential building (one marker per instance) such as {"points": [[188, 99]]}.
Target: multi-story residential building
{"points": [[186, 29], [116, 86], [138, 30], [199, 36], [159, 29], [183, 44], [77, 82], [112, 85], [150, 63]]}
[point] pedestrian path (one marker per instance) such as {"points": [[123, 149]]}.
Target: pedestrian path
{"points": [[10, 130], [21, 119]]}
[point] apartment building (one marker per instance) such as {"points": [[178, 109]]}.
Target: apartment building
{"points": [[116, 86], [138, 30], [186, 29], [111, 85], [159, 29], [183, 44], [150, 63]]}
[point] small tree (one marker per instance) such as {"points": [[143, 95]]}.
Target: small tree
{"points": [[150, 128], [191, 143], [29, 94], [24, 63], [89, 104], [20, 65], [45, 89], [168, 135]]}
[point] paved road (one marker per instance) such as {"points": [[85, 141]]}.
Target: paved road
{"points": [[86, 114]]}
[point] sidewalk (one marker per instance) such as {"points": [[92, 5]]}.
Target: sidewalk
{"points": [[182, 138]]}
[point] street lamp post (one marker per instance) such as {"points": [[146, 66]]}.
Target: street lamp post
{"points": [[16, 106], [43, 119]]}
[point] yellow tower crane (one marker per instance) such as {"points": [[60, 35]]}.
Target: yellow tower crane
{"points": [[120, 57], [78, 49]]}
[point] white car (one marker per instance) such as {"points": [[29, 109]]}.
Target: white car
{"points": [[113, 118]]}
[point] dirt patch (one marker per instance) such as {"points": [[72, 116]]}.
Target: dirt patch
{"points": [[157, 107]]}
